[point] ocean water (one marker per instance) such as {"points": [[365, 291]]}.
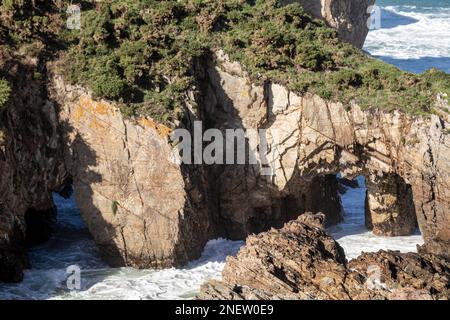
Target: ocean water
{"points": [[414, 35], [353, 235], [73, 245]]}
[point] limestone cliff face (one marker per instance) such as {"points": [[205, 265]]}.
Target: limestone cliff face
{"points": [[349, 17]]}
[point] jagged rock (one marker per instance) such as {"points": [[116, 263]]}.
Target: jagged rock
{"points": [[407, 275], [31, 165], [349, 17], [142, 207], [300, 261], [405, 159]]}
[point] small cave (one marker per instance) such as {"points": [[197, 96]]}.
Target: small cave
{"points": [[58, 237], [40, 225]]}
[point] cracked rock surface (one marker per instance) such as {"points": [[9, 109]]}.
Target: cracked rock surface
{"points": [[301, 261]]}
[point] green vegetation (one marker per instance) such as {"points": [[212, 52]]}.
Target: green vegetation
{"points": [[25, 21], [5, 91], [142, 53]]}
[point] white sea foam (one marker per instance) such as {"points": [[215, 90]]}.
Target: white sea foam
{"points": [[417, 35], [73, 245], [408, 34], [354, 237]]}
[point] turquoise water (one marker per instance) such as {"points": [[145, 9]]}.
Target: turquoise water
{"points": [[414, 35]]}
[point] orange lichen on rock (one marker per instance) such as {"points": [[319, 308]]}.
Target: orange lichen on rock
{"points": [[162, 130]]}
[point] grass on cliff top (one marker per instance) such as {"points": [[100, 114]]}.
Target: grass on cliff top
{"points": [[142, 53]]}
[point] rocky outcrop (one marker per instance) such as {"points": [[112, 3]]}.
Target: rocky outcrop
{"points": [[145, 209], [142, 207], [389, 206], [300, 261], [405, 159], [31, 165], [351, 18]]}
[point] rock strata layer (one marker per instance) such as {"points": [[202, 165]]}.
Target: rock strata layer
{"points": [[300, 261]]}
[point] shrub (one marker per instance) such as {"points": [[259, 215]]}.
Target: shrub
{"points": [[143, 53], [5, 91]]}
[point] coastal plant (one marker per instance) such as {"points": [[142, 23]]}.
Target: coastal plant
{"points": [[5, 92], [144, 54]]}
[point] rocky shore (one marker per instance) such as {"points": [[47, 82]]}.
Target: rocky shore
{"points": [[300, 261], [145, 209]]}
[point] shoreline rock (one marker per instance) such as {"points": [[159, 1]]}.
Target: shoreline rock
{"points": [[301, 262]]}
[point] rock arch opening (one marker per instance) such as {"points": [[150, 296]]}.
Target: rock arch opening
{"points": [[355, 233]]}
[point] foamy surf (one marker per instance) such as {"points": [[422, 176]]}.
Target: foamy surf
{"points": [[420, 35], [73, 245], [354, 237], [413, 38]]}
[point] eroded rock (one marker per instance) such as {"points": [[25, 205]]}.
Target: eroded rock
{"points": [[143, 208], [31, 165], [405, 159], [300, 261], [349, 17]]}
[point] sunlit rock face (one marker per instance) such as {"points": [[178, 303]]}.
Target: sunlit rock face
{"points": [[146, 210], [349, 17], [142, 207], [404, 158]]}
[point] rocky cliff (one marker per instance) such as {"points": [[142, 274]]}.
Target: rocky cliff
{"points": [[349, 17], [142, 207], [31, 165], [404, 158], [146, 209]]}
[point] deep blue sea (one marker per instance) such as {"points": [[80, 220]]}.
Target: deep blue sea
{"points": [[414, 34]]}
